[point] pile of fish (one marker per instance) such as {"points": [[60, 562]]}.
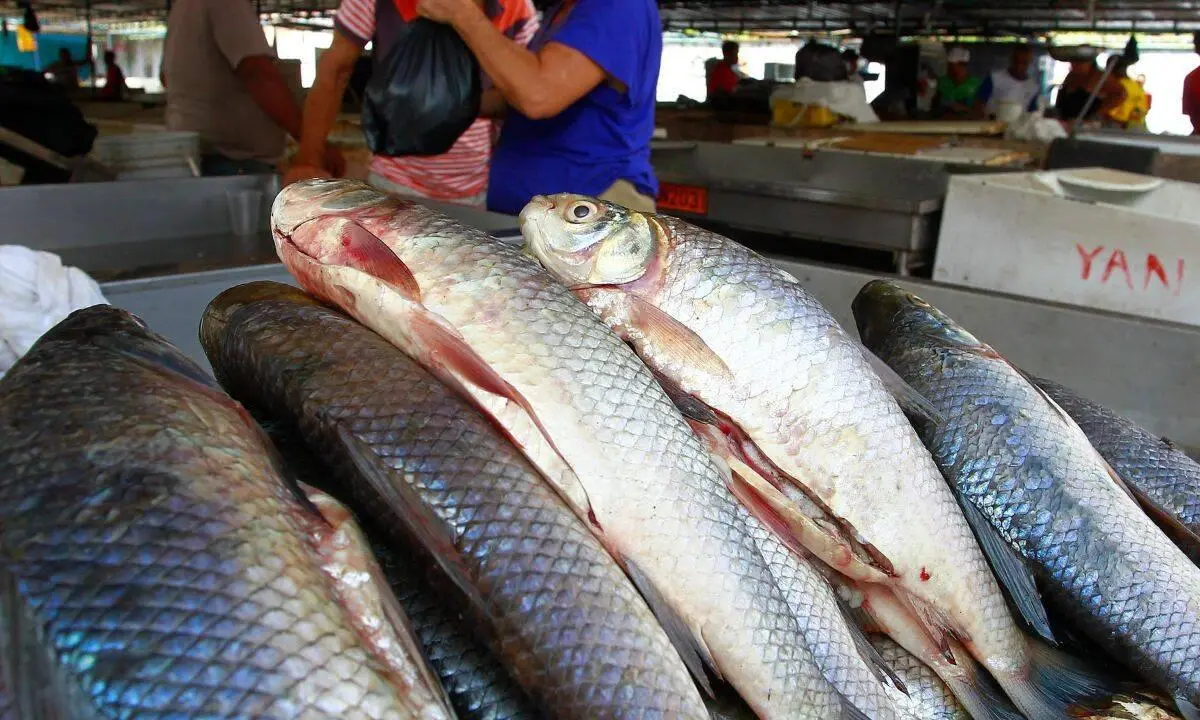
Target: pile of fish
{"points": [[635, 471]]}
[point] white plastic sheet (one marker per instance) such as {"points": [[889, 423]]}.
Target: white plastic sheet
{"points": [[36, 292]]}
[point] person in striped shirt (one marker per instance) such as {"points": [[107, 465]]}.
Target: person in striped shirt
{"points": [[457, 176]]}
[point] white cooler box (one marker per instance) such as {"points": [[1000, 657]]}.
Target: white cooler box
{"points": [[1094, 237]]}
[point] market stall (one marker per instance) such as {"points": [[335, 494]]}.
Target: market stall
{"points": [[888, 204]]}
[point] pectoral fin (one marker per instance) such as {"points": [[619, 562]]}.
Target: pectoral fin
{"points": [[653, 333], [1010, 569], [688, 642]]}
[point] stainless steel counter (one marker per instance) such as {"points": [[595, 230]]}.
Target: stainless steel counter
{"points": [[159, 227], [879, 203], [1147, 370]]}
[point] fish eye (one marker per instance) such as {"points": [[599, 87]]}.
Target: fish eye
{"points": [[582, 211]]}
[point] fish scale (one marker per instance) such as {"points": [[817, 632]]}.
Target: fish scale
{"points": [[821, 450], [149, 543], [824, 628], [800, 389], [565, 617], [1100, 560], [1159, 469], [659, 500], [927, 698], [478, 685]]}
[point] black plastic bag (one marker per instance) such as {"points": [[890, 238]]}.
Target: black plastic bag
{"points": [[423, 93], [820, 62]]}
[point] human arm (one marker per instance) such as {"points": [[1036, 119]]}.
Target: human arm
{"points": [[239, 37], [492, 103], [538, 85], [265, 84], [322, 106]]}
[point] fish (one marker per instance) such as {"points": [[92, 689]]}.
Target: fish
{"points": [[840, 649], [412, 453], [154, 559], [476, 681], [8, 705], [1165, 480], [475, 678], [1032, 480], [725, 704], [927, 697], [837, 645], [821, 449], [494, 325]]}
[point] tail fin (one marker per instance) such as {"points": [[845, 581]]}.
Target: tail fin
{"points": [[979, 693], [1057, 681]]}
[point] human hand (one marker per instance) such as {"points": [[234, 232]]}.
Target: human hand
{"points": [[302, 171], [445, 11], [334, 162]]}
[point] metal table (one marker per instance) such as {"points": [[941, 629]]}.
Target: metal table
{"points": [[150, 228], [1144, 369], [879, 203]]}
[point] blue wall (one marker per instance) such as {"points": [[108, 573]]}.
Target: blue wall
{"points": [[47, 51]]}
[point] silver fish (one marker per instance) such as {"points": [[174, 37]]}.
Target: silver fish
{"points": [[489, 321], [820, 448], [1164, 479], [927, 697], [1029, 474]]}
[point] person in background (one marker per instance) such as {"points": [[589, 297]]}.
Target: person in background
{"points": [[222, 83], [114, 78], [723, 78], [65, 70], [958, 91], [1131, 113], [1014, 85], [1076, 90], [852, 70], [459, 175], [580, 99], [1191, 91]]}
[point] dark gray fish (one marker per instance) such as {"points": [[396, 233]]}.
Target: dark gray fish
{"points": [[1162, 477], [154, 562], [410, 453], [477, 683], [1030, 481]]}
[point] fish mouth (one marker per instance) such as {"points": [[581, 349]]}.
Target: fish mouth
{"points": [[529, 221], [220, 311], [875, 306]]}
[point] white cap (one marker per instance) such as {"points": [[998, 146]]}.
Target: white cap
{"points": [[958, 55]]}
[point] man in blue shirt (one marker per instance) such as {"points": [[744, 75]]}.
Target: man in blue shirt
{"points": [[579, 100]]}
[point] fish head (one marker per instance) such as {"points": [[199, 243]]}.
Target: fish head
{"points": [[219, 313], [325, 234], [885, 311], [585, 242]]}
